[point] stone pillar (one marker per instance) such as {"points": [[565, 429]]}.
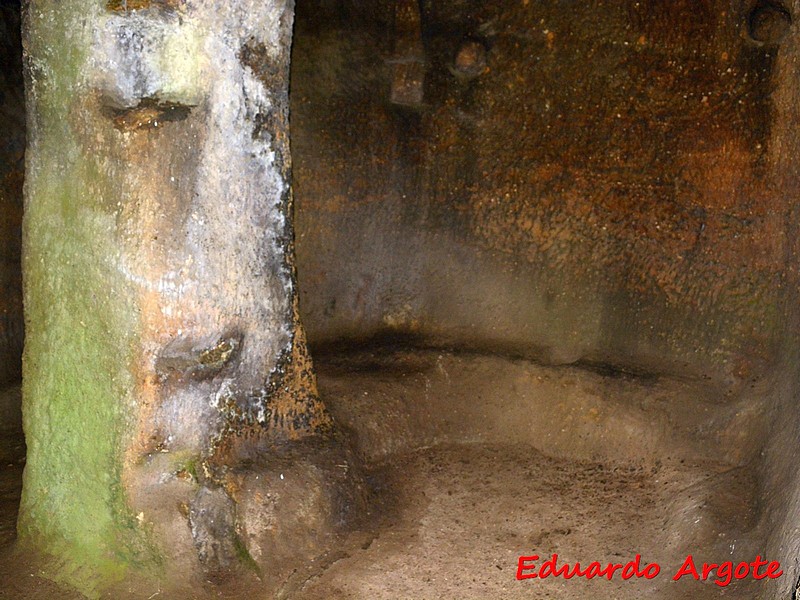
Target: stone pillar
{"points": [[164, 361]]}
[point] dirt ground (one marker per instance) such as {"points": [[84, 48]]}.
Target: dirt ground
{"points": [[477, 460]]}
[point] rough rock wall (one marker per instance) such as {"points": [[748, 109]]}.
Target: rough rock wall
{"points": [[608, 182], [780, 476], [581, 181]]}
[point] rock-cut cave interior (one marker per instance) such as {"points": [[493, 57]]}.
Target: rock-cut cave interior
{"points": [[548, 268]]}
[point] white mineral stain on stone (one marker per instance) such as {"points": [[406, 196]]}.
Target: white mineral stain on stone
{"points": [[183, 64], [142, 55], [226, 269]]}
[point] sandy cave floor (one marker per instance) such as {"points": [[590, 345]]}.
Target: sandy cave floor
{"points": [[477, 460]]}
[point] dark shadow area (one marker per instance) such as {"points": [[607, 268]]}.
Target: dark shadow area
{"points": [[12, 169]]}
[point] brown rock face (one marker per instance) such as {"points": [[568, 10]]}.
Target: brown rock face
{"points": [[598, 183]]}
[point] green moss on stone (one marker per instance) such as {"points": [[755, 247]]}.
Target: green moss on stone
{"points": [[244, 555], [81, 325]]}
